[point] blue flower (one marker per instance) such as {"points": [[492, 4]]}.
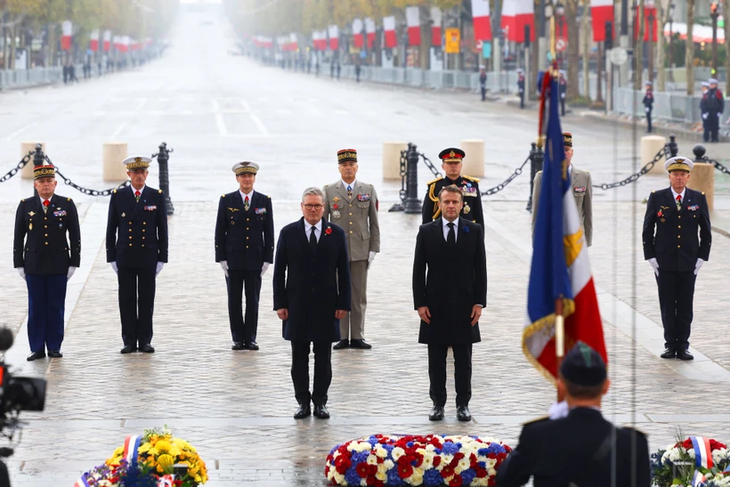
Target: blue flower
{"points": [[495, 448], [450, 448], [393, 478], [465, 229], [373, 441], [360, 457], [351, 476], [482, 452], [467, 476], [432, 477]]}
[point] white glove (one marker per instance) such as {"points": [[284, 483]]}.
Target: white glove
{"points": [[704, 116], [114, 266], [719, 115], [698, 265], [264, 268], [21, 272], [558, 410], [646, 109], [562, 95], [160, 265], [654, 265], [224, 266], [70, 272], [371, 258]]}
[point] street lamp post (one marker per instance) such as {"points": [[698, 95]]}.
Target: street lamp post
{"points": [[560, 18], [671, 35], [650, 13], [713, 15]]}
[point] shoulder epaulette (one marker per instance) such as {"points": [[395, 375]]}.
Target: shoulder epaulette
{"points": [[68, 199], [23, 200], [653, 192], [159, 191], [703, 192], [471, 178], [115, 191], [268, 197], [434, 181], [223, 196], [537, 420]]}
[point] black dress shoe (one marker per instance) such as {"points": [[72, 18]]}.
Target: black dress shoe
{"points": [[361, 344], [129, 349], [303, 411], [462, 413], [147, 348], [341, 345], [252, 346], [55, 354], [669, 353], [238, 346], [320, 411], [36, 355], [684, 355], [436, 414]]}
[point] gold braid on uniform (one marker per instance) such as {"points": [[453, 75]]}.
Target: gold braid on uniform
{"points": [[476, 180], [434, 198]]}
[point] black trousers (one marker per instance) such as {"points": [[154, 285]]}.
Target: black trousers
{"points": [[243, 329], [136, 303], [484, 93], [648, 121], [676, 293], [300, 371], [437, 354]]}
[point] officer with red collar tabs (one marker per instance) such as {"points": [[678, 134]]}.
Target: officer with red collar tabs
{"points": [[452, 159], [674, 216], [136, 248], [46, 259], [244, 247]]}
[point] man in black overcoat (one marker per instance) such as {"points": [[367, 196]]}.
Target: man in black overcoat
{"points": [[136, 248], [244, 247], [674, 216], [449, 292], [578, 449], [311, 296]]}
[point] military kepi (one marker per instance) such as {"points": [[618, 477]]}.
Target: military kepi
{"points": [[583, 366], [137, 162], [346, 155], [679, 164], [245, 167], [452, 154], [567, 139], [45, 171]]}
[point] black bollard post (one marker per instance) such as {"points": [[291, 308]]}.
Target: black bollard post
{"points": [[162, 158], [532, 175], [699, 151], [538, 161], [673, 149], [413, 205], [39, 159]]}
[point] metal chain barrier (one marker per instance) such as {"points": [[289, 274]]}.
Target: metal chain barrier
{"points": [[90, 192], [404, 171], [430, 165], [647, 167], [715, 163], [25, 160], [501, 186]]}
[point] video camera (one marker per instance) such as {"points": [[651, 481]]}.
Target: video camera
{"points": [[16, 394]]}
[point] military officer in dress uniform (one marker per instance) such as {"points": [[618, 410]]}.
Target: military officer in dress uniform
{"points": [[585, 449], [244, 247], [580, 181], [353, 205], [46, 259], [136, 248], [452, 163], [671, 245]]}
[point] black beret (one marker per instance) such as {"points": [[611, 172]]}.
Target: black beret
{"points": [[583, 366]]}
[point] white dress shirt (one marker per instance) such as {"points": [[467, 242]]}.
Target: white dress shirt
{"points": [[317, 229], [243, 196], [675, 194], [134, 191], [351, 185], [446, 229]]}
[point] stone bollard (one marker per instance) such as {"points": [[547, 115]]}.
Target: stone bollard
{"points": [[703, 176], [25, 147], [474, 159], [113, 155], [650, 145], [391, 159]]}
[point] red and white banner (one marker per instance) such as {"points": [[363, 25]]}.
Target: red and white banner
{"points": [[391, 40], [357, 35], [601, 12], [649, 18], [334, 37], [263, 42], [413, 22], [436, 27], [126, 41], [293, 42], [319, 40], [516, 14], [482, 21], [370, 31], [66, 33], [94, 40], [107, 40]]}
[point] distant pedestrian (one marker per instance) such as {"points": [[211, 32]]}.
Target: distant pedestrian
{"points": [[648, 105], [357, 71], [65, 73], [339, 68], [72, 73], [563, 88], [521, 87], [332, 69], [703, 111], [483, 82], [714, 106]]}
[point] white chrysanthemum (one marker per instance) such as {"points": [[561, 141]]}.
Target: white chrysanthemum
{"points": [[381, 475], [463, 464], [372, 459], [416, 478], [388, 464], [380, 451], [359, 446], [397, 453], [480, 482], [363, 483], [339, 478], [446, 459], [430, 447], [427, 461]]}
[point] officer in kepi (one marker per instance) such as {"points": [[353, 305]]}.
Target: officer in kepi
{"points": [[244, 247], [46, 259], [452, 163], [136, 248]]}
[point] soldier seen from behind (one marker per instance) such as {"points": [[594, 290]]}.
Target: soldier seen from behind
{"points": [[648, 105]]}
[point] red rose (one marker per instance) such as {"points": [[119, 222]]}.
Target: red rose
{"points": [[405, 471], [436, 461], [448, 471], [362, 469], [481, 472], [335, 206], [455, 481], [659, 213], [491, 482], [458, 456], [372, 469], [328, 231]]}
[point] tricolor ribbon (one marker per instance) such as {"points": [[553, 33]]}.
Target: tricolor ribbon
{"points": [[166, 481], [698, 480], [703, 454], [727, 470], [83, 481], [131, 444]]}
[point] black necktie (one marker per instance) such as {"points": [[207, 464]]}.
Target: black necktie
{"points": [[313, 240], [451, 239]]}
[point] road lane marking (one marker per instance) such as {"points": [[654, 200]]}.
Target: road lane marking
{"points": [[20, 130], [262, 128], [119, 129], [222, 130]]}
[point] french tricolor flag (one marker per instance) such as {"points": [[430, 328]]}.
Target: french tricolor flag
{"points": [[516, 14], [131, 445], [94, 40], [370, 31], [83, 481], [413, 22], [66, 33], [357, 36], [334, 37], [107, 39], [391, 39], [482, 24], [436, 27], [703, 453], [601, 12]]}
